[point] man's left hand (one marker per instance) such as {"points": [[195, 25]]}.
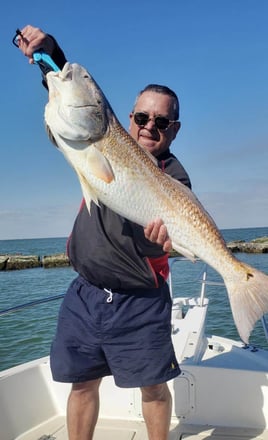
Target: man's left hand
{"points": [[156, 232]]}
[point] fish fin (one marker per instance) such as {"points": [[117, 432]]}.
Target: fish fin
{"points": [[248, 295], [88, 193], [183, 251], [98, 165]]}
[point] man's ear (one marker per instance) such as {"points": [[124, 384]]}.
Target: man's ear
{"points": [[176, 128], [130, 119]]}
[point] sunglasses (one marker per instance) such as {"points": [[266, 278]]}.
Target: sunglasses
{"points": [[162, 123]]}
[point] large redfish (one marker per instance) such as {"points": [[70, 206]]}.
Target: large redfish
{"points": [[114, 169]]}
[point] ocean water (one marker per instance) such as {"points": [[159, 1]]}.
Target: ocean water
{"points": [[26, 334]]}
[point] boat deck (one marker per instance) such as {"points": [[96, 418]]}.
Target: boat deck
{"points": [[55, 429]]}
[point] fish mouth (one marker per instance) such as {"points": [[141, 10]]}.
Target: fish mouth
{"points": [[82, 106], [67, 72], [73, 76]]}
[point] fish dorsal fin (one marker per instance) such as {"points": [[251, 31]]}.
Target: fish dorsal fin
{"points": [[98, 165]]}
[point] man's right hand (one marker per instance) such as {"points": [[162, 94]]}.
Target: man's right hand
{"points": [[34, 39]]}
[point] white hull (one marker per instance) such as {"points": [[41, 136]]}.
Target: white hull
{"points": [[222, 392]]}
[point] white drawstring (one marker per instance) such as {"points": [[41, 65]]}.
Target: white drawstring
{"points": [[110, 297]]}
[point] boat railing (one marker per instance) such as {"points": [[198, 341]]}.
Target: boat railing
{"points": [[202, 278]]}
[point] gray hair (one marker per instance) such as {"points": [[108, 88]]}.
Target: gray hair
{"points": [[164, 90]]}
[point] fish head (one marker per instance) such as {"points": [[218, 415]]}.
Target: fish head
{"points": [[77, 108]]}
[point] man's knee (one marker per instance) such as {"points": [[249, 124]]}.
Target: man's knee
{"points": [[158, 392], [89, 388]]}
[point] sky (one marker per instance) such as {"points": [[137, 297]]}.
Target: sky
{"points": [[213, 53]]}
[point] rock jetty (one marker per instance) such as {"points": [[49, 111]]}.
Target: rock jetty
{"points": [[256, 246], [18, 261]]}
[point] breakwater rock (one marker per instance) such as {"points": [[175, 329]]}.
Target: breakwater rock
{"points": [[18, 261], [256, 246], [56, 260]]}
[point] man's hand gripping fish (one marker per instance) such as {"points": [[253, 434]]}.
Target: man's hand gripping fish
{"points": [[114, 169]]}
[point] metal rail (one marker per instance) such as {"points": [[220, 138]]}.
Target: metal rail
{"points": [[202, 278]]}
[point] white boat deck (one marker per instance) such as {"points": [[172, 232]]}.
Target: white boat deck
{"points": [[55, 429]]}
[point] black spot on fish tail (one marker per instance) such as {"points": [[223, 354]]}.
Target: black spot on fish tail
{"points": [[249, 275]]}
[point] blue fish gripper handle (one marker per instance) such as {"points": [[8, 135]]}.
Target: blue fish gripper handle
{"points": [[45, 62]]}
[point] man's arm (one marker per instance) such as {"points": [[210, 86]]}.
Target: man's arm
{"points": [[33, 39]]}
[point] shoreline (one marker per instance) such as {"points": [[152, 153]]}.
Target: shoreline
{"points": [[20, 261]]}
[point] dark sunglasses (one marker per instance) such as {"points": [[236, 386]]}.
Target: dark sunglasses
{"points": [[162, 123]]}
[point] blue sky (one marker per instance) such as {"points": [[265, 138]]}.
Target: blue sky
{"points": [[213, 53]]}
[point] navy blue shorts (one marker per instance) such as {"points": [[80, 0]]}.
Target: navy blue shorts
{"points": [[124, 335]]}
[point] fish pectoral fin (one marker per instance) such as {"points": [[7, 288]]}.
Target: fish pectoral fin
{"points": [[183, 251], [98, 165], [88, 192]]}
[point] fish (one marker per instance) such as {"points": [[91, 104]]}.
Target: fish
{"points": [[114, 169]]}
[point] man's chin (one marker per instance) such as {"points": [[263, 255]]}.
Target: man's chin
{"points": [[148, 144]]}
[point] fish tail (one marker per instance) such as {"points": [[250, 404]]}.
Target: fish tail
{"points": [[248, 295]]}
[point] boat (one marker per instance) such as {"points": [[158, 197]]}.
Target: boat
{"points": [[221, 393]]}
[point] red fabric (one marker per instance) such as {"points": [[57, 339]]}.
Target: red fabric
{"points": [[160, 266]]}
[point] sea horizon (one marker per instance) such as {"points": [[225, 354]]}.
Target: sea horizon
{"points": [[66, 236]]}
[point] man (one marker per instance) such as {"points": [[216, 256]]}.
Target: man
{"points": [[115, 317]]}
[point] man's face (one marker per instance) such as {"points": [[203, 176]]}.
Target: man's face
{"points": [[149, 136]]}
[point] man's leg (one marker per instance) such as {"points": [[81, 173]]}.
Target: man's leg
{"points": [[156, 406], [83, 410]]}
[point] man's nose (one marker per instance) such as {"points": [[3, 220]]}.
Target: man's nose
{"points": [[150, 124]]}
